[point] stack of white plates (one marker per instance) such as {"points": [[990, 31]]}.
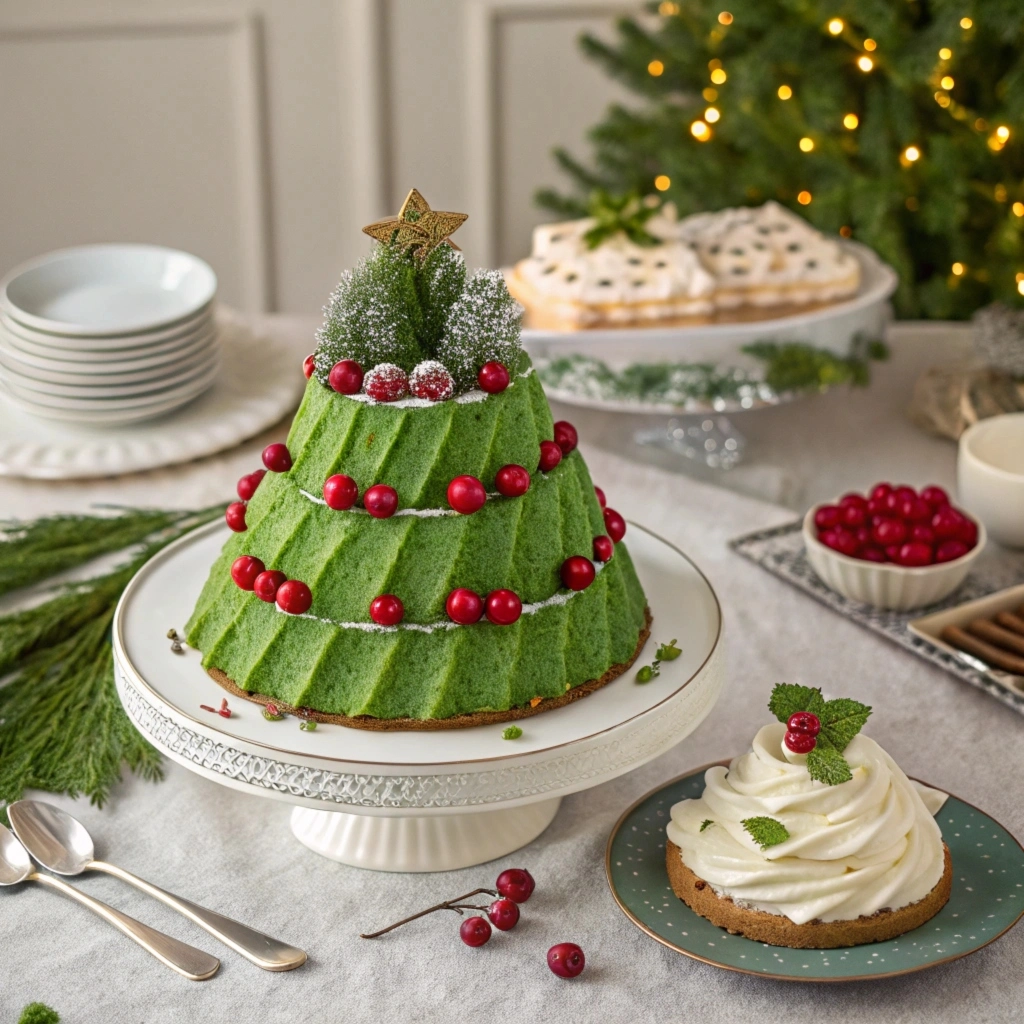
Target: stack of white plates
{"points": [[108, 334]]}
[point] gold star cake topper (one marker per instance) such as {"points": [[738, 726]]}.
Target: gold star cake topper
{"points": [[417, 226]]}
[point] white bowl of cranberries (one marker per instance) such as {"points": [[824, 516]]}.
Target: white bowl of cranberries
{"points": [[894, 548]]}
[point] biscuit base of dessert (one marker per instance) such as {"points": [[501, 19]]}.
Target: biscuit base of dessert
{"points": [[778, 930], [456, 721]]}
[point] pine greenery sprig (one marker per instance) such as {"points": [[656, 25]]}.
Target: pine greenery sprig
{"points": [[38, 1013], [951, 89], [395, 307], [62, 727]]}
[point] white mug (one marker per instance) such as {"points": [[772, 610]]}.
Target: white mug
{"points": [[990, 476]]}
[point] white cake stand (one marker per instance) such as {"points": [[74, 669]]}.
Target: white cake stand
{"points": [[415, 801]]}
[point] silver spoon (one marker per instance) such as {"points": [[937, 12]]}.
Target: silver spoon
{"points": [[61, 843], [15, 867]]}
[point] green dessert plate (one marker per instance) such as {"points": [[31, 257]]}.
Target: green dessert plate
{"points": [[987, 899]]}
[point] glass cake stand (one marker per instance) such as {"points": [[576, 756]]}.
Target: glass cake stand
{"points": [[405, 800]]}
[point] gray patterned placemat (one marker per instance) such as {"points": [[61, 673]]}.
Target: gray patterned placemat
{"points": [[781, 551]]}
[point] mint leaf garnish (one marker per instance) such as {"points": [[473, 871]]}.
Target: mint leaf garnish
{"points": [[512, 732], [647, 673], [788, 698], [765, 832], [668, 652], [841, 720], [826, 764], [704, 824]]}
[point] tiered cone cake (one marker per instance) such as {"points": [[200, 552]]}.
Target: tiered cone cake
{"points": [[491, 598]]}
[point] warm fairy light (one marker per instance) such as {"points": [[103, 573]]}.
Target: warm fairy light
{"points": [[851, 121], [718, 76], [806, 145], [958, 269], [999, 192], [714, 64], [804, 198], [725, 18], [655, 68], [662, 182], [1019, 277], [785, 92], [912, 204], [1002, 132], [710, 94], [1018, 209], [942, 99], [945, 53], [997, 140], [870, 44], [700, 131], [981, 124], [966, 23], [846, 231], [865, 63], [835, 26], [947, 82], [666, 9], [912, 153], [711, 115], [1020, 287]]}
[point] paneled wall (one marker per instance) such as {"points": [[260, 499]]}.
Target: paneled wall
{"points": [[262, 135]]}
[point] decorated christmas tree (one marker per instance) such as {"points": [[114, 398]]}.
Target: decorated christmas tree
{"points": [[428, 548], [895, 123]]}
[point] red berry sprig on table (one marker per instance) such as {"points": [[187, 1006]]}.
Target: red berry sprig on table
{"points": [[603, 548], [381, 501], [246, 486], [601, 499], [308, 366], [387, 610], [386, 382], [493, 378], [897, 525], [234, 516], [346, 377], [277, 458], [466, 495], [514, 886], [801, 732], [512, 481]]}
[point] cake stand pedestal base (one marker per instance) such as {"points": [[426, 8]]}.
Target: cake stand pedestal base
{"points": [[440, 842]]}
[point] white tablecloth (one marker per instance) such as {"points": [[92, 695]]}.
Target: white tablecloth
{"points": [[234, 852]]}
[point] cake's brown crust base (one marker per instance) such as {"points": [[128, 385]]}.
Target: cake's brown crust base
{"points": [[777, 930], [456, 721]]}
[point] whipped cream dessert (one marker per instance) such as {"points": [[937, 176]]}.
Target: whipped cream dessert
{"points": [[618, 281], [855, 848]]}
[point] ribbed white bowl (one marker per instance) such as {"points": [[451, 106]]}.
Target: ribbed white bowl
{"points": [[882, 584]]}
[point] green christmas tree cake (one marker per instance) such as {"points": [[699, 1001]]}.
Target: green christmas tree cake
{"points": [[428, 549]]}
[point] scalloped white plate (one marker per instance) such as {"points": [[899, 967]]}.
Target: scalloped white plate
{"points": [[260, 382]]}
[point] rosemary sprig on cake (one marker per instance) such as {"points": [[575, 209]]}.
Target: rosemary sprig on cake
{"points": [[62, 728]]}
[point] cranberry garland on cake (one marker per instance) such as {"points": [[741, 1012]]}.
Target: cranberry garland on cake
{"points": [[427, 550]]}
